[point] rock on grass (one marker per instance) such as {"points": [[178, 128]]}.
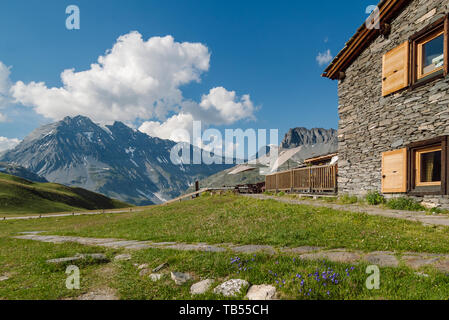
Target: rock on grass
{"points": [[262, 292], [231, 288], [180, 278], [201, 287]]}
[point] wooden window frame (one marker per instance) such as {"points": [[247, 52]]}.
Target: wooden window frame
{"points": [[418, 153], [419, 58], [427, 189], [417, 41]]}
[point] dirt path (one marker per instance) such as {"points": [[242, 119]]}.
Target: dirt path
{"points": [[382, 259], [438, 220], [87, 213]]}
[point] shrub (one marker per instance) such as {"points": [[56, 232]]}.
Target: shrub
{"points": [[374, 198], [404, 203], [281, 194], [347, 199]]}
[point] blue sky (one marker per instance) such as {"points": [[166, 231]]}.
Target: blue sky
{"points": [[266, 49]]}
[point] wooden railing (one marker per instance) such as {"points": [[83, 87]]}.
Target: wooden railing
{"points": [[311, 180]]}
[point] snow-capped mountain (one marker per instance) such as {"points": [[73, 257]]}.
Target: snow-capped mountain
{"points": [[114, 160]]}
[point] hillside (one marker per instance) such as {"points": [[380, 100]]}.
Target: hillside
{"points": [[21, 172], [20, 196]]}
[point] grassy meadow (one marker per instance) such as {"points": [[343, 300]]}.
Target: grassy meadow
{"points": [[223, 219]]}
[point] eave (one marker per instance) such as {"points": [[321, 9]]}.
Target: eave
{"points": [[388, 10]]}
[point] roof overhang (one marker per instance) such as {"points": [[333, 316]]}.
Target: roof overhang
{"points": [[388, 10], [321, 158]]}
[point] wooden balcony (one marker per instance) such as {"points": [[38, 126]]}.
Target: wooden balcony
{"points": [[318, 179]]}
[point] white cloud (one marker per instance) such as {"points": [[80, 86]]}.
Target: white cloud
{"points": [[324, 58], [224, 107], [218, 107], [177, 128], [135, 79], [6, 144], [3, 118], [139, 80]]}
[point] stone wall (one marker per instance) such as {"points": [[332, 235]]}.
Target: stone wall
{"points": [[371, 124]]}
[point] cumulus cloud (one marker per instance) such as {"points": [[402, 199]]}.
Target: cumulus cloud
{"points": [[324, 58], [139, 80], [224, 107], [177, 128], [6, 144], [135, 79]]}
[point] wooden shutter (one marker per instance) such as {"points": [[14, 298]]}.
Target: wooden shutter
{"points": [[395, 69], [394, 171]]}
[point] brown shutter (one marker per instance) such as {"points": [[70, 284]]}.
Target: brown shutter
{"points": [[394, 171], [395, 69]]}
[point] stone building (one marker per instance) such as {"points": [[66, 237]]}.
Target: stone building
{"points": [[394, 102]]}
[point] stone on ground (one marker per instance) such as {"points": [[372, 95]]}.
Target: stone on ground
{"points": [[251, 248], [144, 272], [122, 257], [142, 266], [97, 257], [419, 261], [262, 292], [443, 266], [382, 259], [231, 288], [334, 256], [160, 267], [100, 294], [201, 287], [64, 260], [180, 278], [4, 277], [156, 276]]}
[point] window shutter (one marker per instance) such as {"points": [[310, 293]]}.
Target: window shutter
{"points": [[394, 171], [395, 69]]}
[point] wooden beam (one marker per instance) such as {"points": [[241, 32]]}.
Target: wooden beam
{"points": [[363, 37]]}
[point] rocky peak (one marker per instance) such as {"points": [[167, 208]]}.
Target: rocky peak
{"points": [[302, 136]]}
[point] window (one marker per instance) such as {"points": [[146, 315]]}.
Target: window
{"points": [[428, 167], [429, 53], [421, 59]]}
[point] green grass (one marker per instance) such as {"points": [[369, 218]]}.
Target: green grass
{"points": [[404, 203], [20, 196], [222, 219], [32, 278], [240, 220], [400, 283]]}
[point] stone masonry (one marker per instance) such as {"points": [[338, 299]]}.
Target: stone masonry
{"points": [[371, 124]]}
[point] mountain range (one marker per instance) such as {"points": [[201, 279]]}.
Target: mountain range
{"points": [[114, 160]]}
